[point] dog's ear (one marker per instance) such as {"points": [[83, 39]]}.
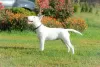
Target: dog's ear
{"points": [[40, 17]]}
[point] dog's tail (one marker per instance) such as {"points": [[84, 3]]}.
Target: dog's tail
{"points": [[74, 31]]}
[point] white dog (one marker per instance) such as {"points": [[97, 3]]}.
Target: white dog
{"points": [[46, 33]]}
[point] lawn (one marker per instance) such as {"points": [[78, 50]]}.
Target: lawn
{"points": [[21, 49]]}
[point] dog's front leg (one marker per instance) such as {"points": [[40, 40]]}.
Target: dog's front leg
{"points": [[42, 40]]}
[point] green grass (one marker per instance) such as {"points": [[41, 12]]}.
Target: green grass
{"points": [[21, 49]]}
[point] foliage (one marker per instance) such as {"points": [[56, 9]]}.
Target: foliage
{"points": [[1, 6], [17, 20], [44, 4], [75, 23], [76, 7], [3, 21], [23, 11], [91, 9], [86, 7], [12, 20], [59, 9], [51, 22]]}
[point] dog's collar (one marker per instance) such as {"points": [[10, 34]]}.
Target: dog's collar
{"points": [[36, 27]]}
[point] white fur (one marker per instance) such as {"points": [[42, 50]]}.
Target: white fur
{"points": [[46, 33]]}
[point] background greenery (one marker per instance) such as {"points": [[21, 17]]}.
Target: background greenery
{"points": [[14, 19]]}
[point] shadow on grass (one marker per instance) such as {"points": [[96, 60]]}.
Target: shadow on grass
{"points": [[16, 47]]}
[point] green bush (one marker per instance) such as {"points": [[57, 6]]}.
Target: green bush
{"points": [[86, 7], [19, 22], [14, 19], [90, 9], [4, 23], [23, 11], [76, 7]]}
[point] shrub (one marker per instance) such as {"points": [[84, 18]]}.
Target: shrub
{"points": [[1, 6], [13, 21], [86, 7], [18, 21], [59, 9], [76, 7], [44, 4], [4, 25], [51, 22], [76, 23], [91, 9], [23, 11], [10, 20]]}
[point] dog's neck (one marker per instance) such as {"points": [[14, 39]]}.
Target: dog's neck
{"points": [[37, 27], [36, 24]]}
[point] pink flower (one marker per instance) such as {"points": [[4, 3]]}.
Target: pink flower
{"points": [[44, 4], [1, 6], [0, 3], [60, 4]]}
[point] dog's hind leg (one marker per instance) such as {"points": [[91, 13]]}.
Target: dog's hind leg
{"points": [[70, 45], [67, 42], [66, 45], [68, 48]]}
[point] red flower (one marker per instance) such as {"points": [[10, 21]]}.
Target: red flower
{"points": [[1, 6], [43, 4]]}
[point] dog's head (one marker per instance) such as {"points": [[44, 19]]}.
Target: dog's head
{"points": [[34, 19]]}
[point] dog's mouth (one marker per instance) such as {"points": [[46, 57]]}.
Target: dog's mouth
{"points": [[30, 22]]}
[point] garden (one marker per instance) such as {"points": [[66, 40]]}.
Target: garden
{"points": [[19, 45]]}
